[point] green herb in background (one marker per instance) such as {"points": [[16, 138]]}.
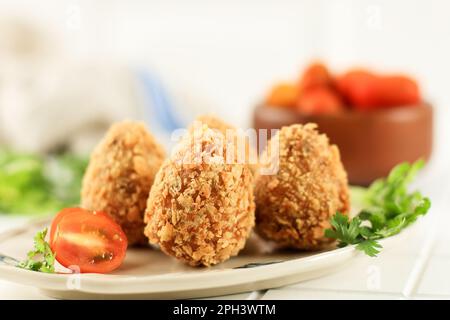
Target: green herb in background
{"points": [[41, 258], [36, 184], [388, 209]]}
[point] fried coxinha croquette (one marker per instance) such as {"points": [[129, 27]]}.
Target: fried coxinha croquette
{"points": [[213, 122], [294, 206], [250, 156], [201, 208], [120, 174]]}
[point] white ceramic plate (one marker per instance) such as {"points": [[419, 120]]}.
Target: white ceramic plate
{"points": [[148, 273]]}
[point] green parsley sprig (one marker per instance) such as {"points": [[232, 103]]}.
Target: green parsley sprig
{"points": [[389, 208], [41, 258]]}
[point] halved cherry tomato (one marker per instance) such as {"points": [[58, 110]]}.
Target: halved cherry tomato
{"points": [[89, 240], [320, 101], [316, 75]]}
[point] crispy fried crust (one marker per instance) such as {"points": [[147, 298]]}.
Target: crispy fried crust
{"points": [[120, 174], [295, 205], [215, 123], [200, 213]]}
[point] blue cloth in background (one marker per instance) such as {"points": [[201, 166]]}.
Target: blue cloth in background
{"points": [[160, 111]]}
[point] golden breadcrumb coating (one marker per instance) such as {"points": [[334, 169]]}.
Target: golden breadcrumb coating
{"points": [[295, 205], [120, 174], [200, 211], [215, 123]]}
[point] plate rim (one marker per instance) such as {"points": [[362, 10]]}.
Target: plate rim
{"points": [[179, 281]]}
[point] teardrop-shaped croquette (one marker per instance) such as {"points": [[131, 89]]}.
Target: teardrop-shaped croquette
{"points": [[120, 174], [238, 138], [294, 205], [201, 208]]}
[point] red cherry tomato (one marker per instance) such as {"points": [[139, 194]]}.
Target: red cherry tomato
{"points": [[366, 91], [316, 75], [359, 88], [397, 91], [89, 240], [319, 101]]}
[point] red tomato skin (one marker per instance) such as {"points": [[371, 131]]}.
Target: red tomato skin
{"points": [[367, 91], [397, 91], [320, 100], [77, 220], [316, 75], [358, 87]]}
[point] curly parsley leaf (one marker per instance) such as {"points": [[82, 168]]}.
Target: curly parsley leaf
{"points": [[369, 247], [348, 232], [390, 208], [41, 258]]}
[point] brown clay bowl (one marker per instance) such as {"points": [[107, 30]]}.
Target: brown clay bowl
{"points": [[371, 143]]}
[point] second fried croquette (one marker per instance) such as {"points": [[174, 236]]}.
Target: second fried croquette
{"points": [[200, 209], [294, 205], [214, 123], [120, 174], [233, 136]]}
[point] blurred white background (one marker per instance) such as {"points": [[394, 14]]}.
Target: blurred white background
{"points": [[222, 56]]}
